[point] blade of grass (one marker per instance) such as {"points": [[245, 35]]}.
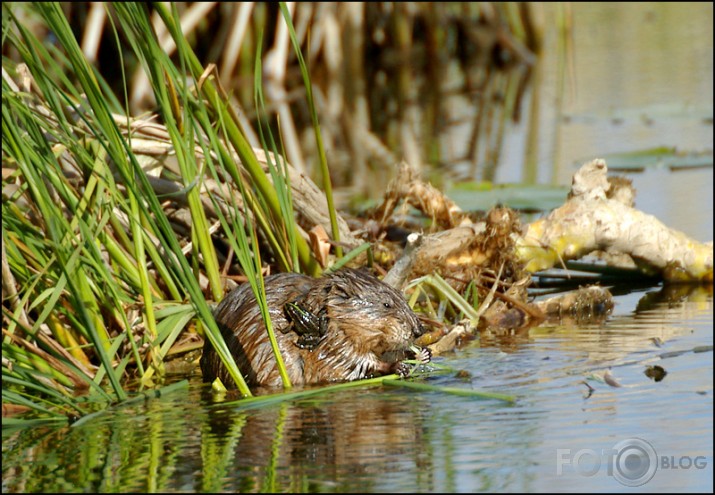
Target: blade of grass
{"points": [[280, 178], [388, 380], [135, 21], [448, 291], [238, 140], [462, 392], [252, 268], [327, 184]]}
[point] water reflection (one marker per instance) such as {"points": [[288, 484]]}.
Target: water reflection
{"points": [[376, 439], [340, 442]]}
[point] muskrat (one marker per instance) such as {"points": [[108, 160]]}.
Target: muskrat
{"points": [[343, 326]]}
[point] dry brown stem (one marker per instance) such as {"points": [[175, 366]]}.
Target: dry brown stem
{"points": [[407, 186]]}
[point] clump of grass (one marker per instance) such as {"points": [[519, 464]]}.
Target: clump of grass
{"points": [[105, 277], [102, 286]]}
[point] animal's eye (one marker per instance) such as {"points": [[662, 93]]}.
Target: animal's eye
{"points": [[387, 305]]}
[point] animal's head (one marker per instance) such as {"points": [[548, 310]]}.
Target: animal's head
{"points": [[371, 313]]}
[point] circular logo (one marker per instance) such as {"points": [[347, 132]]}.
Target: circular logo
{"points": [[635, 462]]}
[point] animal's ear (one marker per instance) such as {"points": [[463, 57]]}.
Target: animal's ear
{"points": [[345, 295], [340, 292]]}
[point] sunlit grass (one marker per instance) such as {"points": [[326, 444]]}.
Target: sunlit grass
{"points": [[95, 259], [103, 282], [104, 287]]}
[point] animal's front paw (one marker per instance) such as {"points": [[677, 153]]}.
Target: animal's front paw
{"points": [[402, 369], [422, 355]]}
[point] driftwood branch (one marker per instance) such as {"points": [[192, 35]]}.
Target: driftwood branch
{"points": [[591, 220], [598, 217]]}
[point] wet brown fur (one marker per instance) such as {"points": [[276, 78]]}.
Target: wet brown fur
{"points": [[369, 327]]}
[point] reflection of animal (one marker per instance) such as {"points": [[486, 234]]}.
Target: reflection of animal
{"points": [[346, 325], [324, 437]]}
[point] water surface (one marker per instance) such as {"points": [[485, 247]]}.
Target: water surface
{"points": [[388, 440]]}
